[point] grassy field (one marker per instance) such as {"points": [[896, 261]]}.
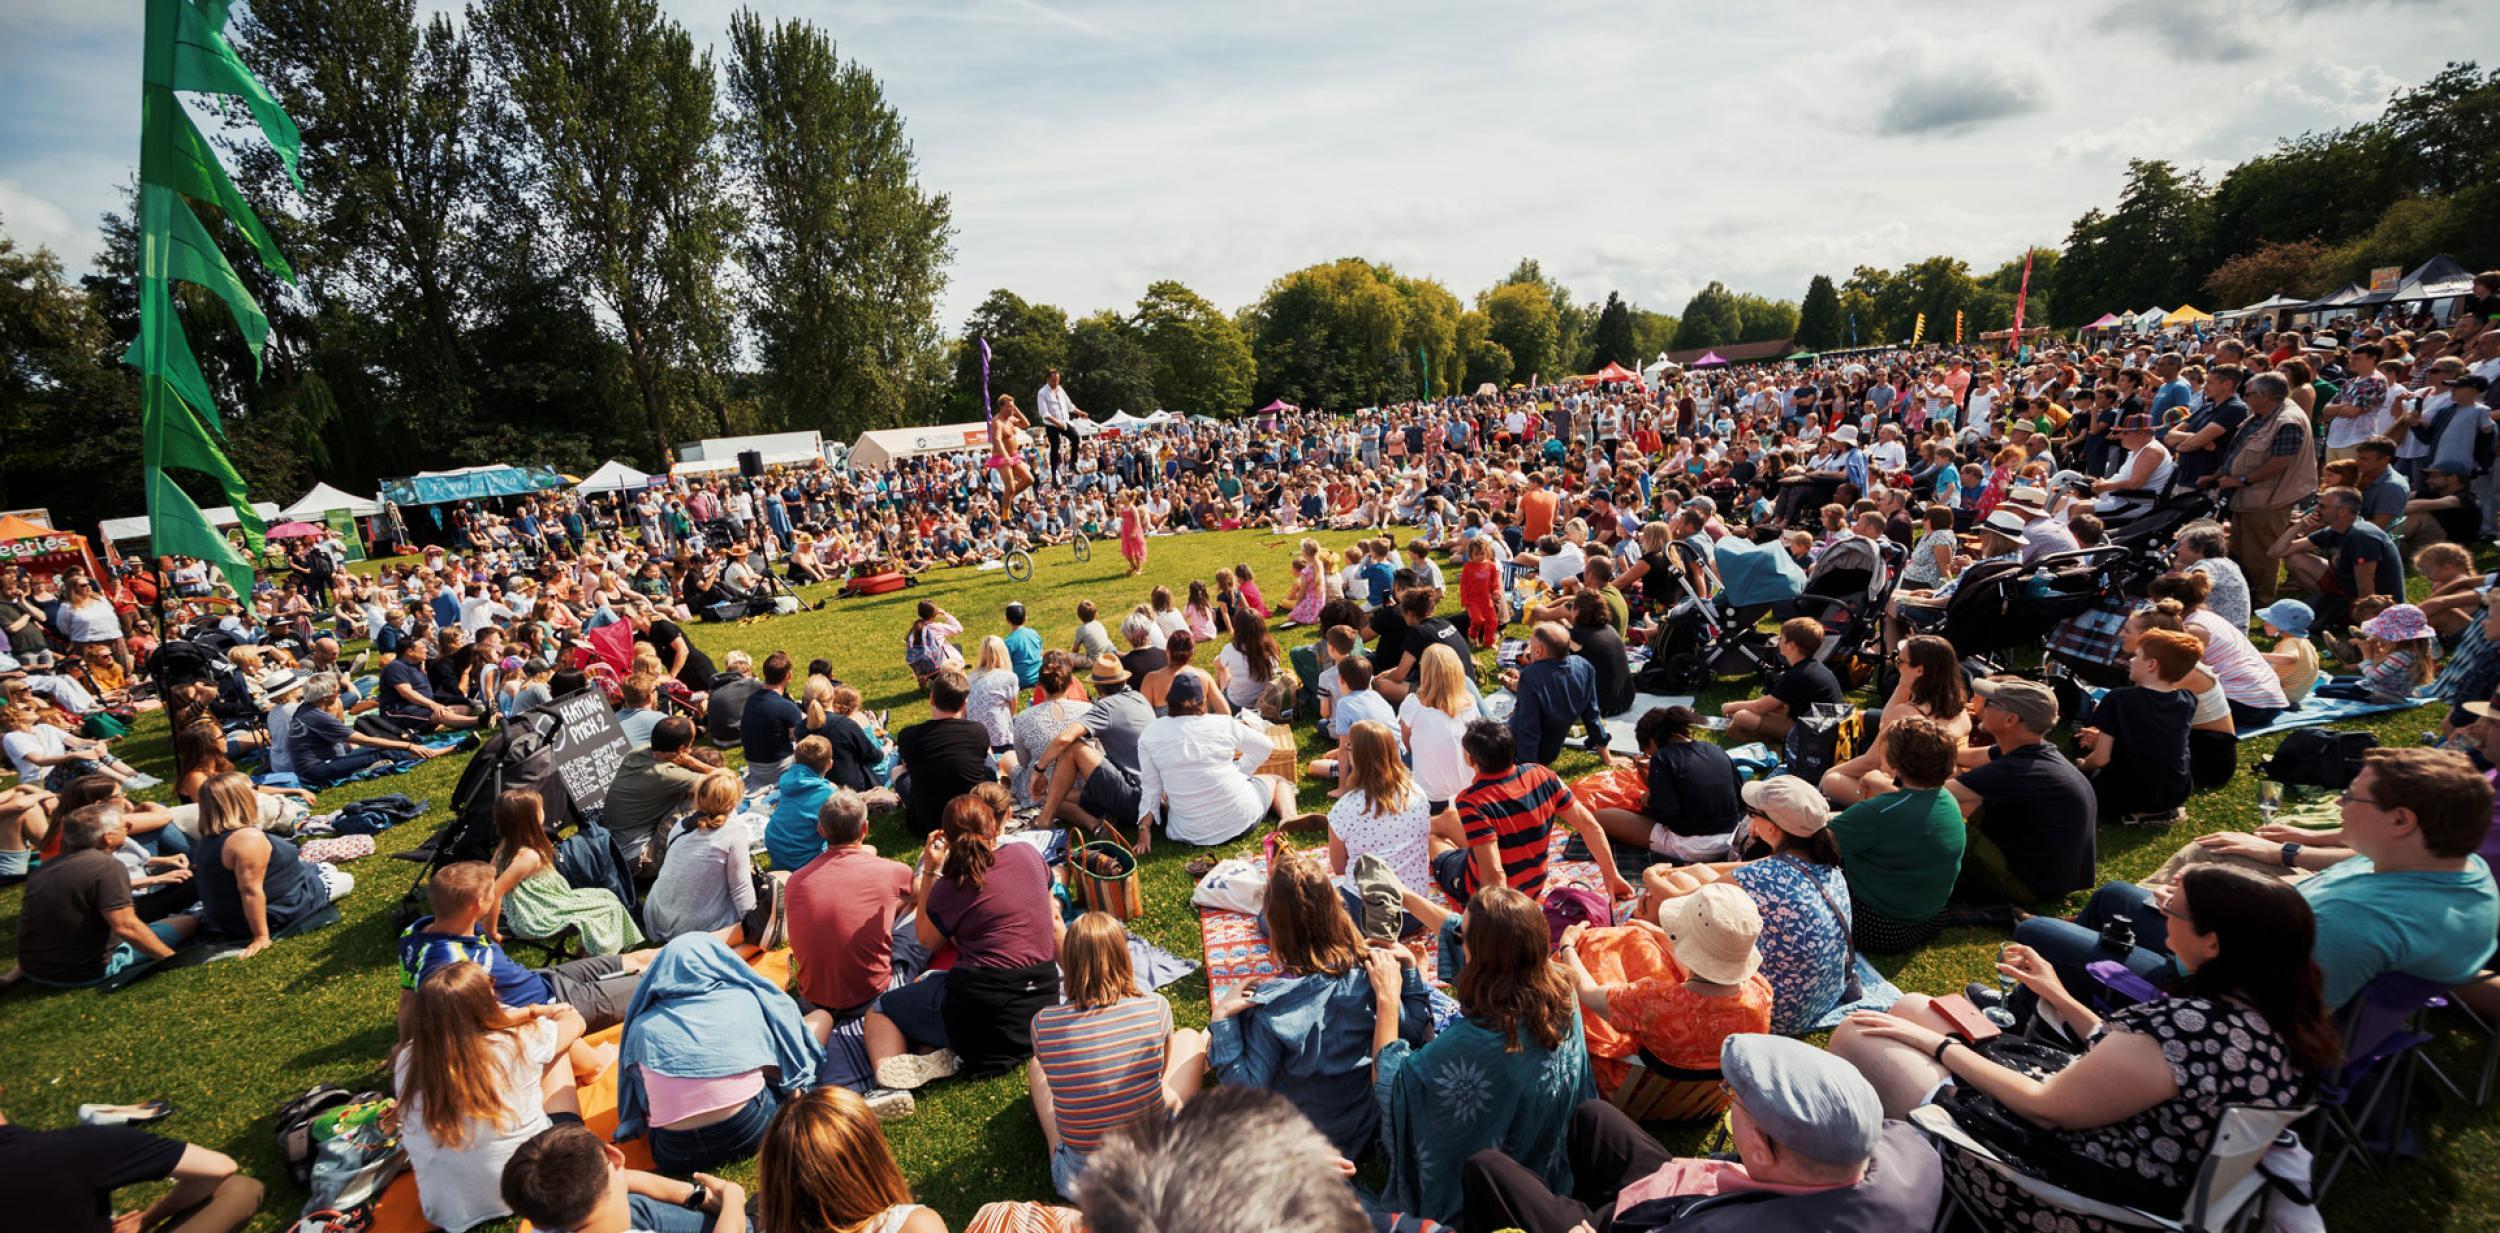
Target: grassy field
{"points": [[228, 1042]]}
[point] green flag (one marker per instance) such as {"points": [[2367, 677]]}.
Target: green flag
{"points": [[175, 437], [202, 60], [176, 368], [1423, 355], [173, 154], [191, 256], [176, 527]]}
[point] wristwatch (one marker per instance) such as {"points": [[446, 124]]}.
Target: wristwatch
{"points": [[697, 1198], [2291, 856]]}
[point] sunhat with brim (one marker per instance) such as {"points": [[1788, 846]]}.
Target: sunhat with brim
{"points": [[2483, 710], [2004, 522], [2402, 623], [1792, 804], [279, 681], [1714, 931], [2289, 615]]}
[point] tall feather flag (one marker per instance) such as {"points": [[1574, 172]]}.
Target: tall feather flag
{"points": [[1918, 329], [1957, 327], [1423, 356], [186, 50], [2021, 295]]}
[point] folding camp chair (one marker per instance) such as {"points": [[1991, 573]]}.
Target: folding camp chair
{"points": [[2383, 1038], [2228, 1192]]}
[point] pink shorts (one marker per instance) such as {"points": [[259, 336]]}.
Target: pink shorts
{"points": [[998, 460]]}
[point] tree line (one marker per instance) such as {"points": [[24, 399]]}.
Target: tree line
{"points": [[557, 231]]}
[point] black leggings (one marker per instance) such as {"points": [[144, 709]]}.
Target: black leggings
{"points": [[1608, 1151], [1060, 435]]}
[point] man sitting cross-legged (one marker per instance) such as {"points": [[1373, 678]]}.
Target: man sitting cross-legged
{"points": [[460, 895], [1091, 764]]}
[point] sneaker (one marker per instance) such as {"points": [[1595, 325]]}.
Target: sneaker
{"points": [[769, 923], [890, 1105], [1984, 994], [907, 1071]]}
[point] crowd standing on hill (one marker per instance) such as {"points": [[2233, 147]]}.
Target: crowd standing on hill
{"points": [[1591, 520]]}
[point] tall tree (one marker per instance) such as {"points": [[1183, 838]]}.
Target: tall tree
{"points": [[845, 255], [1200, 362], [1818, 319], [1482, 359], [1110, 368], [1329, 335], [1026, 342], [1652, 333], [1524, 322], [2286, 269], [1710, 319], [68, 409], [1763, 319], [1612, 341], [614, 113]]}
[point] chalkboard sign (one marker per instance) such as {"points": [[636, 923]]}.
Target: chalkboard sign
{"points": [[586, 743]]}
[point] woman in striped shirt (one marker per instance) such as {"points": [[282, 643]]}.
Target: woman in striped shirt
{"points": [[1108, 1056]]}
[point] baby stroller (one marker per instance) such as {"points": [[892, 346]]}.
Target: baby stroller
{"points": [[1699, 640], [2148, 529], [1847, 599], [2004, 604]]}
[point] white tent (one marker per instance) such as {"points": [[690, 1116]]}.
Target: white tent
{"points": [[779, 449], [881, 446], [323, 499], [613, 476], [2150, 319], [221, 517]]}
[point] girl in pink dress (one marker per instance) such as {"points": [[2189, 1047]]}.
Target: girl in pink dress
{"points": [[1308, 589], [1133, 534]]}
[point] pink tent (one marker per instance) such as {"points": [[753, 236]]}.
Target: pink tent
{"points": [[1710, 359], [2107, 320], [1276, 406]]}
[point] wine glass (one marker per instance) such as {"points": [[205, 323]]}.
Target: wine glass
{"points": [[2000, 1014], [2269, 798]]}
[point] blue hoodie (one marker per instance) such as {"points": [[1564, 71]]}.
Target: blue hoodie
{"points": [[790, 834], [700, 1012]]}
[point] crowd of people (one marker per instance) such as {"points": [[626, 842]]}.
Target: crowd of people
{"points": [[1557, 533]]}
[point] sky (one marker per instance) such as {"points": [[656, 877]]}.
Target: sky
{"points": [[1646, 149]]}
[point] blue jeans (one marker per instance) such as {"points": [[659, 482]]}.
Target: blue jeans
{"points": [[2070, 945], [338, 769], [654, 1216], [706, 1147], [120, 959]]}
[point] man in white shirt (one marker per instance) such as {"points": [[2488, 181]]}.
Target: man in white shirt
{"points": [[1058, 413], [1198, 772], [479, 611]]}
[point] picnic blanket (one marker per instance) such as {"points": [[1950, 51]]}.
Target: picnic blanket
{"points": [[1619, 729], [385, 767], [2315, 710], [397, 1211]]}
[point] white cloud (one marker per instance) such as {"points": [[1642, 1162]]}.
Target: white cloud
{"points": [[35, 222]]}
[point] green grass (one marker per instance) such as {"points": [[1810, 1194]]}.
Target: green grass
{"points": [[228, 1042]]}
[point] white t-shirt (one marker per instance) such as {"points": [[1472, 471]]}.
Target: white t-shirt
{"points": [[1440, 765], [1554, 567], [41, 739], [1402, 838], [1241, 689], [463, 1186]]}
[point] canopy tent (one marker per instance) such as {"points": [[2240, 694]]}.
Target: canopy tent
{"points": [[2150, 319], [2435, 279], [470, 484], [777, 449], [323, 499], [2270, 305], [39, 549], [1612, 372], [2107, 321], [295, 530], [1204, 419], [879, 447], [613, 476], [2186, 314], [2338, 298], [1710, 359], [1801, 357], [220, 517], [1276, 406], [1657, 370]]}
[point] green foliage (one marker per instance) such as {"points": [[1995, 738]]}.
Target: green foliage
{"points": [[615, 111], [1712, 318], [1613, 341], [1430, 332], [1332, 335], [1109, 368], [2294, 268], [1200, 362], [1484, 359], [1026, 342], [1521, 318], [1764, 319], [57, 368], [1819, 324], [844, 254], [2154, 248]]}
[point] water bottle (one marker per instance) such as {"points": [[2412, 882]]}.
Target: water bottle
{"points": [[2119, 934]]}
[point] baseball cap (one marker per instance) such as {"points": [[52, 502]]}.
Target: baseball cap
{"points": [[1186, 687], [2469, 382], [1802, 1098], [2029, 701]]}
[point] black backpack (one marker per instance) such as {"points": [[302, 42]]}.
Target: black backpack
{"points": [[2318, 758], [294, 1126]]}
